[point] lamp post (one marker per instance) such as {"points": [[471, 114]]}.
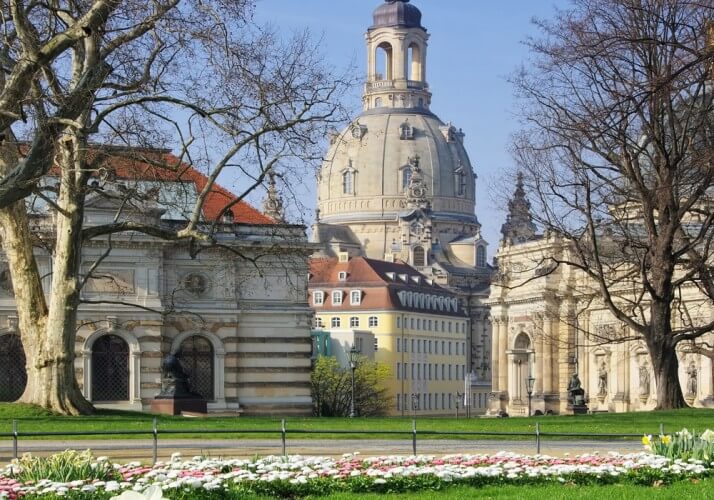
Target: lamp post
{"points": [[458, 399], [415, 403], [530, 382], [354, 353]]}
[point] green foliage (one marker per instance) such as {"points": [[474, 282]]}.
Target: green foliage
{"points": [[70, 465], [332, 388], [683, 445]]}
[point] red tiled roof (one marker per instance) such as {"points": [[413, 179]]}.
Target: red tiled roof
{"points": [[369, 275], [161, 165]]}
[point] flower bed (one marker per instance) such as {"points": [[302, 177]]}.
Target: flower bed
{"points": [[300, 476]]}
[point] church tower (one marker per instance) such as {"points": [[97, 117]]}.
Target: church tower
{"points": [[397, 183]]}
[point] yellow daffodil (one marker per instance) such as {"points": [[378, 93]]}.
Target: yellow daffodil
{"points": [[646, 440], [665, 439]]}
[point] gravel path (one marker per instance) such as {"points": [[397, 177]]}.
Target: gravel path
{"points": [[141, 449]]}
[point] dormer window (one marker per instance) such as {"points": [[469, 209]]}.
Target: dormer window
{"points": [[406, 131], [342, 276], [337, 297], [318, 298], [391, 276], [355, 297], [460, 181], [406, 178]]}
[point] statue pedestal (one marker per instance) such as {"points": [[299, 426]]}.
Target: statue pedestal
{"points": [[578, 409], [174, 406]]}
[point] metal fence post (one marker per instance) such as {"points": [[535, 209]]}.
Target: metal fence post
{"points": [[661, 429], [14, 439], [414, 436], [537, 438], [155, 433], [283, 437]]}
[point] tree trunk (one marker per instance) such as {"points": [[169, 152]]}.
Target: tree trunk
{"points": [[664, 359]]}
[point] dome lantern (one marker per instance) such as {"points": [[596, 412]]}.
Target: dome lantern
{"points": [[397, 13]]}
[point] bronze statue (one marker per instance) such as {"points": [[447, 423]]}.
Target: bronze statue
{"points": [[575, 391]]}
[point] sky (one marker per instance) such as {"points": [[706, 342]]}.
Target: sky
{"points": [[474, 46]]}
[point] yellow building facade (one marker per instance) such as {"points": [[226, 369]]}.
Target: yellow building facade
{"points": [[396, 316]]}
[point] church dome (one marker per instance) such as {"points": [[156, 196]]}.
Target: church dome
{"points": [[397, 13], [367, 170]]}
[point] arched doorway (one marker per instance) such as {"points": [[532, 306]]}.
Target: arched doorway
{"points": [[196, 356], [521, 357], [110, 369], [419, 258], [13, 373]]}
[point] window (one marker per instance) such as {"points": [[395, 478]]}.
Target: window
{"points": [[418, 371], [406, 178], [355, 297], [373, 322], [436, 347], [413, 350], [412, 371], [449, 348], [13, 372], [110, 369], [335, 322], [376, 344], [348, 182], [429, 371], [399, 371], [342, 276], [318, 298], [443, 347], [399, 322], [411, 323], [450, 372], [319, 322], [419, 345], [337, 297], [443, 371], [480, 256], [399, 345], [354, 322], [419, 257], [399, 402], [449, 329], [418, 324], [436, 372], [196, 357]]}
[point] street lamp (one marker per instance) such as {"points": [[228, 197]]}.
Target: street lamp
{"points": [[415, 403], [530, 382], [354, 353]]}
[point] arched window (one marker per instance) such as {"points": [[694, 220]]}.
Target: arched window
{"points": [[383, 62], [460, 182], [110, 369], [480, 256], [406, 178], [419, 258], [196, 357], [13, 373], [414, 62], [348, 182], [522, 342]]}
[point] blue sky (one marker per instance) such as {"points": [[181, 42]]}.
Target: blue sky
{"points": [[474, 46]]}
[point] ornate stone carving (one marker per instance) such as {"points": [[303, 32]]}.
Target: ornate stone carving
{"points": [[195, 283], [602, 381], [644, 382], [692, 374]]}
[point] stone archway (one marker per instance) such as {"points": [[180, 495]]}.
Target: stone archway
{"points": [[218, 400]]}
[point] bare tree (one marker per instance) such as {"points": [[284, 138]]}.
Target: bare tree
{"points": [[617, 151], [232, 98]]}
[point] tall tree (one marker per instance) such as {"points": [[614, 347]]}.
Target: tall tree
{"points": [[197, 75], [617, 152]]}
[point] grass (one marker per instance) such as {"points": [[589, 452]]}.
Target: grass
{"points": [[32, 419], [686, 489]]}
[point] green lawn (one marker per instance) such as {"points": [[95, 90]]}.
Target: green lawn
{"points": [[701, 491], [34, 420]]}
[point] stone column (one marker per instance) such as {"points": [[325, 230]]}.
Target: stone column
{"points": [[399, 66], [502, 355], [495, 368], [549, 342], [540, 362]]}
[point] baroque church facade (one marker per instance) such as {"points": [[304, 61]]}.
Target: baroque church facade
{"points": [[546, 326], [397, 183]]}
